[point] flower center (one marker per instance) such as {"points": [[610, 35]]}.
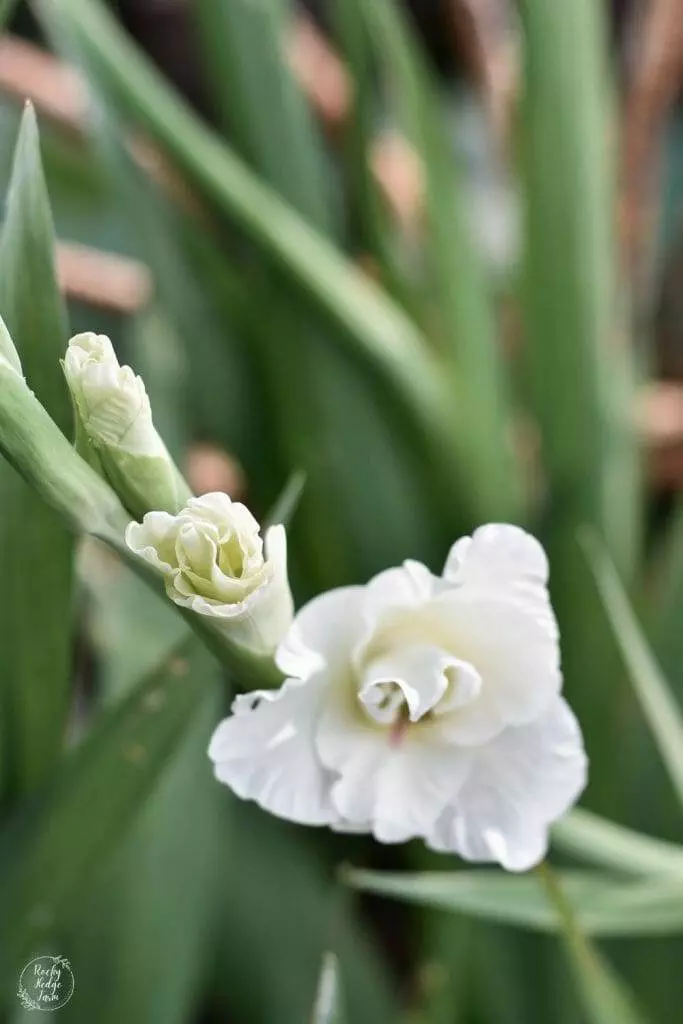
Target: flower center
{"points": [[386, 702], [416, 682], [231, 557]]}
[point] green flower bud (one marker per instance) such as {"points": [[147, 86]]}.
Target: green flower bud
{"points": [[115, 416]]}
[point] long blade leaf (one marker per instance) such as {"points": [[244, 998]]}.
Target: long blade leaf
{"points": [[602, 906], [49, 850], [654, 694], [468, 341], [36, 549], [590, 837], [378, 329], [606, 999], [578, 356]]}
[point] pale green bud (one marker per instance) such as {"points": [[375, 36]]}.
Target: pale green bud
{"points": [[114, 413]]}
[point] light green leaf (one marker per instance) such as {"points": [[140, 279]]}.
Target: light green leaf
{"points": [[347, 528], [8, 351], [287, 501], [381, 335], [595, 839], [606, 999], [656, 700], [602, 906], [578, 356], [328, 1000], [30, 301], [35, 548], [259, 105], [51, 849], [467, 334], [374, 231]]}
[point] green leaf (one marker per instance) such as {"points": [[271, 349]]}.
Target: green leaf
{"points": [[29, 295], [150, 913], [602, 906], [375, 328], [467, 336], [666, 606], [270, 974], [41, 454], [259, 105], [656, 700], [6, 12], [51, 849], [35, 548], [156, 946], [8, 351], [606, 1000], [346, 529], [578, 356], [592, 838], [287, 501], [328, 1001], [372, 227]]}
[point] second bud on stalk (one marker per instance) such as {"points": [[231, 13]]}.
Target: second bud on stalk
{"points": [[115, 417], [215, 563]]}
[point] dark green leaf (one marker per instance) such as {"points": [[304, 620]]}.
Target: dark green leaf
{"points": [[50, 850], [606, 999]]}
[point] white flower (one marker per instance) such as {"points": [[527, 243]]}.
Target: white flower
{"points": [[420, 706], [113, 409], [215, 563]]}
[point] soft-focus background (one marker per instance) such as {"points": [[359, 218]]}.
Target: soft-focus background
{"points": [[425, 258]]}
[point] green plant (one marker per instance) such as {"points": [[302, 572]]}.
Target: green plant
{"points": [[393, 399]]}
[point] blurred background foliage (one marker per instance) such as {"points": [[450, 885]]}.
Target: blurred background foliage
{"points": [[429, 254]]}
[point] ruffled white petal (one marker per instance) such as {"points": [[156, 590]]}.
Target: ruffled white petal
{"points": [[505, 562], [395, 783], [265, 752], [153, 540], [517, 658], [419, 676], [323, 633], [518, 785]]}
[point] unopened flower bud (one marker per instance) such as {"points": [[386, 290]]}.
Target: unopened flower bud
{"points": [[114, 412]]}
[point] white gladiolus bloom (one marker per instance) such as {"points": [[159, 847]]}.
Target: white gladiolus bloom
{"points": [[114, 412], [420, 706], [215, 563]]}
